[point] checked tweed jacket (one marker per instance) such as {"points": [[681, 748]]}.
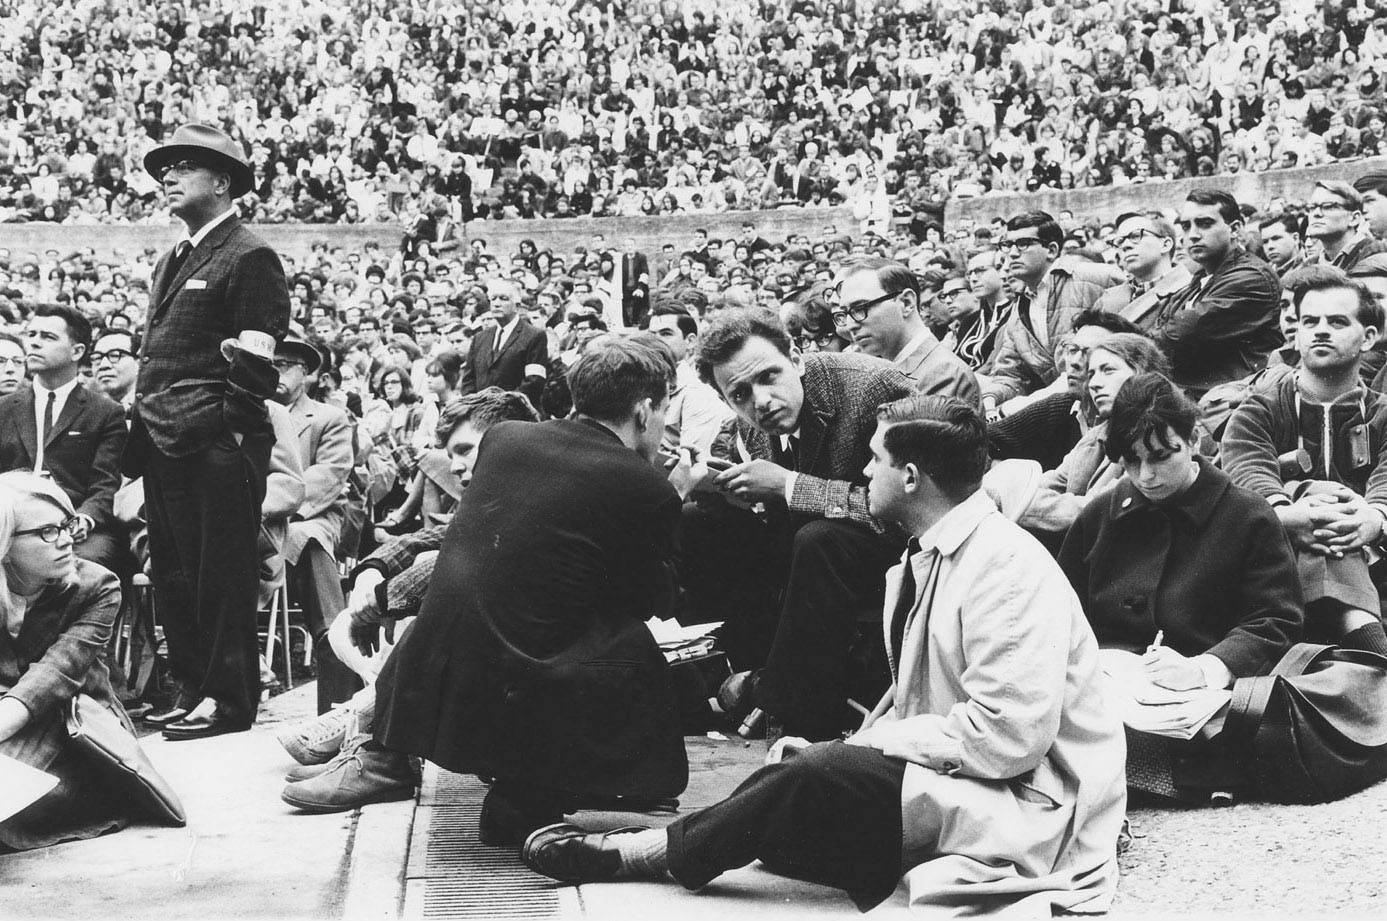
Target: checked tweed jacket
{"points": [[839, 416]]}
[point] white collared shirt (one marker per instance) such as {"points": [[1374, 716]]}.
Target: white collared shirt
{"points": [[503, 333], [211, 225], [60, 396]]}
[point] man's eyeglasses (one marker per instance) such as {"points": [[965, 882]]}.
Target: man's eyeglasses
{"points": [[859, 310], [1015, 246], [49, 533], [284, 364], [181, 168], [1134, 237], [946, 297], [1320, 207], [113, 356]]}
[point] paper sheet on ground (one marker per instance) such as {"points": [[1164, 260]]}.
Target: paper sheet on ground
{"points": [[671, 633], [1148, 707], [21, 785]]}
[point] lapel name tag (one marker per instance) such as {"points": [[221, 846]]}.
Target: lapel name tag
{"points": [[195, 284]]}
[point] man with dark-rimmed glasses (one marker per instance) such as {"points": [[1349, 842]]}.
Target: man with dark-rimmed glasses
{"points": [[1053, 290], [1146, 246], [877, 302]]}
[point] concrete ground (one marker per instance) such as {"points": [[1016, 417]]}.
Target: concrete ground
{"points": [[246, 855]]}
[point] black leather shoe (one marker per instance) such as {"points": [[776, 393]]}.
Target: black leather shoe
{"points": [[505, 823], [202, 727], [165, 717], [571, 854]]}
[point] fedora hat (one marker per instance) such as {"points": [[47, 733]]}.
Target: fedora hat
{"points": [[206, 145], [296, 345]]}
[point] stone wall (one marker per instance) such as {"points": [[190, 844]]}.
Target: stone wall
{"points": [[502, 237], [1108, 202]]}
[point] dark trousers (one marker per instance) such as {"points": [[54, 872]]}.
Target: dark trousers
{"points": [[830, 814], [204, 524], [793, 601]]}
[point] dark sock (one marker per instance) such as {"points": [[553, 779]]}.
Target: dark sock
{"points": [[1369, 637]]}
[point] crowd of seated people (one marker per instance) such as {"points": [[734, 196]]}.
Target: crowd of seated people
{"points": [[1198, 456], [436, 114]]}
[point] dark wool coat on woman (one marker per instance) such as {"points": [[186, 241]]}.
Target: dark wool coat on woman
{"points": [[1212, 568]]}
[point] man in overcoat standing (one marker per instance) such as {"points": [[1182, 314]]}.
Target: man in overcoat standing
{"points": [[200, 434]]}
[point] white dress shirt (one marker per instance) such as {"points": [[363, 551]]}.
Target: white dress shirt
{"points": [[60, 396]]}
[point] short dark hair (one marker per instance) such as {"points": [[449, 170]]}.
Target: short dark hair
{"points": [[79, 328], [484, 409], [730, 330], [448, 365], [1047, 229], [1369, 310], [1104, 319], [688, 326], [944, 437], [1227, 205], [894, 277], [133, 336], [1147, 407], [1294, 224], [615, 373]]}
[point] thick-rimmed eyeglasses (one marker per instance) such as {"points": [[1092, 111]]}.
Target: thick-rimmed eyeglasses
{"points": [[284, 364], [1015, 246], [859, 310], [1134, 237], [113, 356], [181, 168], [816, 341], [1320, 207], [946, 297], [49, 533]]}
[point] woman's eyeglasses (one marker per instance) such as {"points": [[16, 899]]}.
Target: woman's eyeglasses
{"points": [[49, 533]]}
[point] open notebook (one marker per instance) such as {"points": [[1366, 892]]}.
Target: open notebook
{"points": [[1151, 708]]}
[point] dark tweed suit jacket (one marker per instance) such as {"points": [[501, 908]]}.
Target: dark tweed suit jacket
{"points": [[82, 452], [187, 394], [841, 396]]}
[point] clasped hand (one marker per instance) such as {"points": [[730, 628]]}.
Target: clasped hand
{"points": [[1332, 522]]}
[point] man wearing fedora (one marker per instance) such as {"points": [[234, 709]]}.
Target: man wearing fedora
{"points": [[325, 449], [200, 434]]}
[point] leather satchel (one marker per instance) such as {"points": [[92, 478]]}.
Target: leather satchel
{"points": [[1316, 727], [105, 741]]}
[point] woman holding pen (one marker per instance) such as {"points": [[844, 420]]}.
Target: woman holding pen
{"points": [[1178, 565]]}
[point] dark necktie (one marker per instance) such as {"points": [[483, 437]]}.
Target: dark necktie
{"points": [[48, 416], [180, 256], [791, 457], [905, 602]]}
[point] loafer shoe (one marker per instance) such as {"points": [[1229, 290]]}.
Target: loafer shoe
{"points": [[202, 727], [353, 779], [572, 854]]}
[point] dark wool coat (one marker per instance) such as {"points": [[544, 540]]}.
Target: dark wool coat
{"points": [[1212, 568], [529, 660]]}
